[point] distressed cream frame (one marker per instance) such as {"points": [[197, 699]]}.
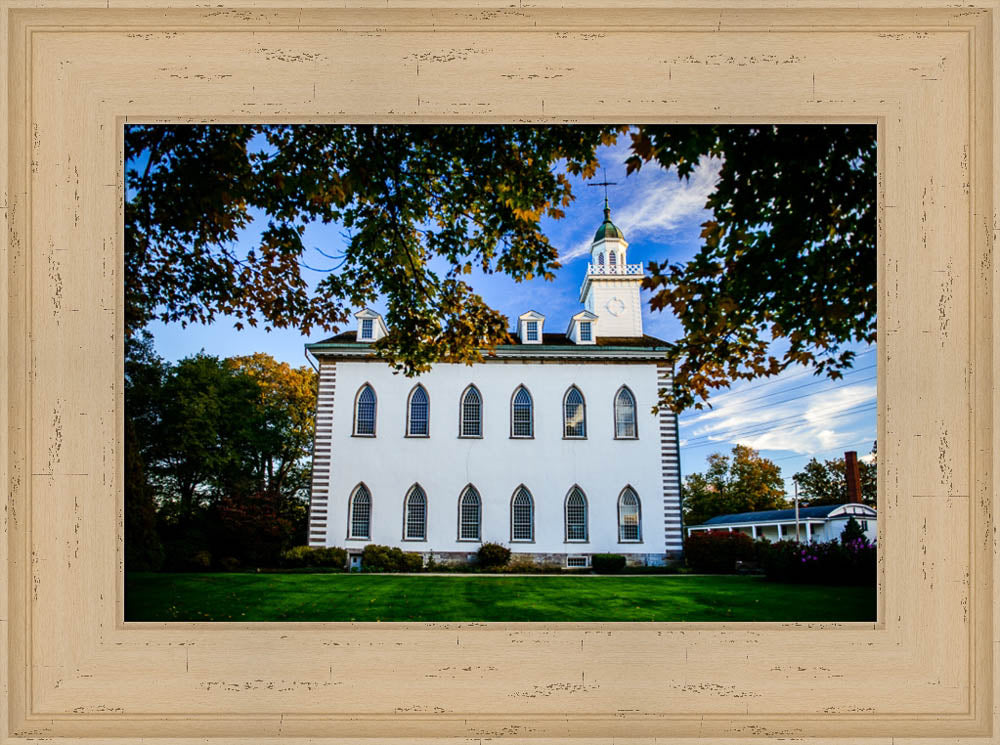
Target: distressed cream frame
{"points": [[75, 71]]}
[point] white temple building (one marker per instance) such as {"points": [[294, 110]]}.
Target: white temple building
{"points": [[550, 447]]}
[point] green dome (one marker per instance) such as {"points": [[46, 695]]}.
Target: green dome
{"points": [[608, 229]]}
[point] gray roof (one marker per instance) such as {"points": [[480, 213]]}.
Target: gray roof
{"points": [[548, 340], [772, 515]]}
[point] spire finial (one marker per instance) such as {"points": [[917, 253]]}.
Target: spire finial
{"points": [[605, 184]]}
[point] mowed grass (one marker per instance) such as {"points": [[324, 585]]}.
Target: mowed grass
{"points": [[373, 597]]}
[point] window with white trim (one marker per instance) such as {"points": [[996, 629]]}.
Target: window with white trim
{"points": [[576, 515], [419, 412], [531, 330], [471, 414], [585, 332], [625, 428], [612, 260], [574, 414], [367, 328], [470, 514], [629, 525], [364, 412], [415, 515], [522, 422], [360, 522], [522, 516]]}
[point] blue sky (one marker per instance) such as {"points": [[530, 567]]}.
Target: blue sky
{"points": [[789, 418]]}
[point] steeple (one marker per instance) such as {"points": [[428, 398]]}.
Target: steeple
{"points": [[611, 288]]}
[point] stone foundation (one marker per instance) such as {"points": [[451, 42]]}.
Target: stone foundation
{"points": [[454, 558]]}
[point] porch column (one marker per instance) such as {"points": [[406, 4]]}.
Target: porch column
{"points": [[809, 532], [753, 532], [780, 534]]}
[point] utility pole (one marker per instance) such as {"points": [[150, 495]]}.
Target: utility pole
{"points": [[796, 484], [853, 476]]}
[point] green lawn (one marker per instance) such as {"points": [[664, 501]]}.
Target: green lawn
{"points": [[373, 597]]}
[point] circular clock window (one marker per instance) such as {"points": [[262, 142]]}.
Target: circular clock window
{"points": [[615, 306]]}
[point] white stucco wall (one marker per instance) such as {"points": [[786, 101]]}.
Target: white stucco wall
{"points": [[443, 464]]}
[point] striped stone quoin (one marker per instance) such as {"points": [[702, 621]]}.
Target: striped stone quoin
{"points": [[670, 460], [319, 496]]}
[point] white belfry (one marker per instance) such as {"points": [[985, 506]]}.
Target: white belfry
{"points": [[610, 288]]}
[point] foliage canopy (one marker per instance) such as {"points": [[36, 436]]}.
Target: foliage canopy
{"points": [[788, 255], [740, 482]]}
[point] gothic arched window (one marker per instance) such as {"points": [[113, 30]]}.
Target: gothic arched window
{"points": [[574, 414], [470, 515], [364, 412], [415, 514], [522, 516], [471, 413], [359, 523], [629, 521], [576, 515], [522, 422], [625, 424], [418, 413]]}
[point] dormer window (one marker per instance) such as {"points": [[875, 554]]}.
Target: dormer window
{"points": [[530, 327], [583, 328], [370, 327]]}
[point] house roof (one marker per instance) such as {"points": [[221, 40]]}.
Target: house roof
{"points": [[773, 515], [548, 340]]}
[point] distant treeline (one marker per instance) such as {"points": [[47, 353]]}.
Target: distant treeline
{"points": [[217, 459]]}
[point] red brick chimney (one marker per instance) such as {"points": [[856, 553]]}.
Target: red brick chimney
{"points": [[853, 476]]}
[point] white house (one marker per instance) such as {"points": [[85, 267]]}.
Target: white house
{"points": [[821, 523], [550, 447]]}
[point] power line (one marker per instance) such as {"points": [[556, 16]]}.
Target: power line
{"points": [[796, 398], [764, 427], [821, 452], [796, 376]]}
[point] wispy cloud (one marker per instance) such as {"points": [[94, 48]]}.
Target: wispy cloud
{"points": [[661, 207], [806, 423]]}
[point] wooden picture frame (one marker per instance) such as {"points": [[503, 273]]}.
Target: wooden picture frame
{"points": [[75, 71]]}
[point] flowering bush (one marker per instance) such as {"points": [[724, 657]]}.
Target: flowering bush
{"points": [[831, 563], [717, 550]]}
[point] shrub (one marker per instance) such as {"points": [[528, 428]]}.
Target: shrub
{"points": [[717, 550], [332, 557], [492, 555], [378, 558], [202, 560], [831, 563], [300, 557], [607, 562], [522, 564], [852, 531], [229, 563], [413, 562]]}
